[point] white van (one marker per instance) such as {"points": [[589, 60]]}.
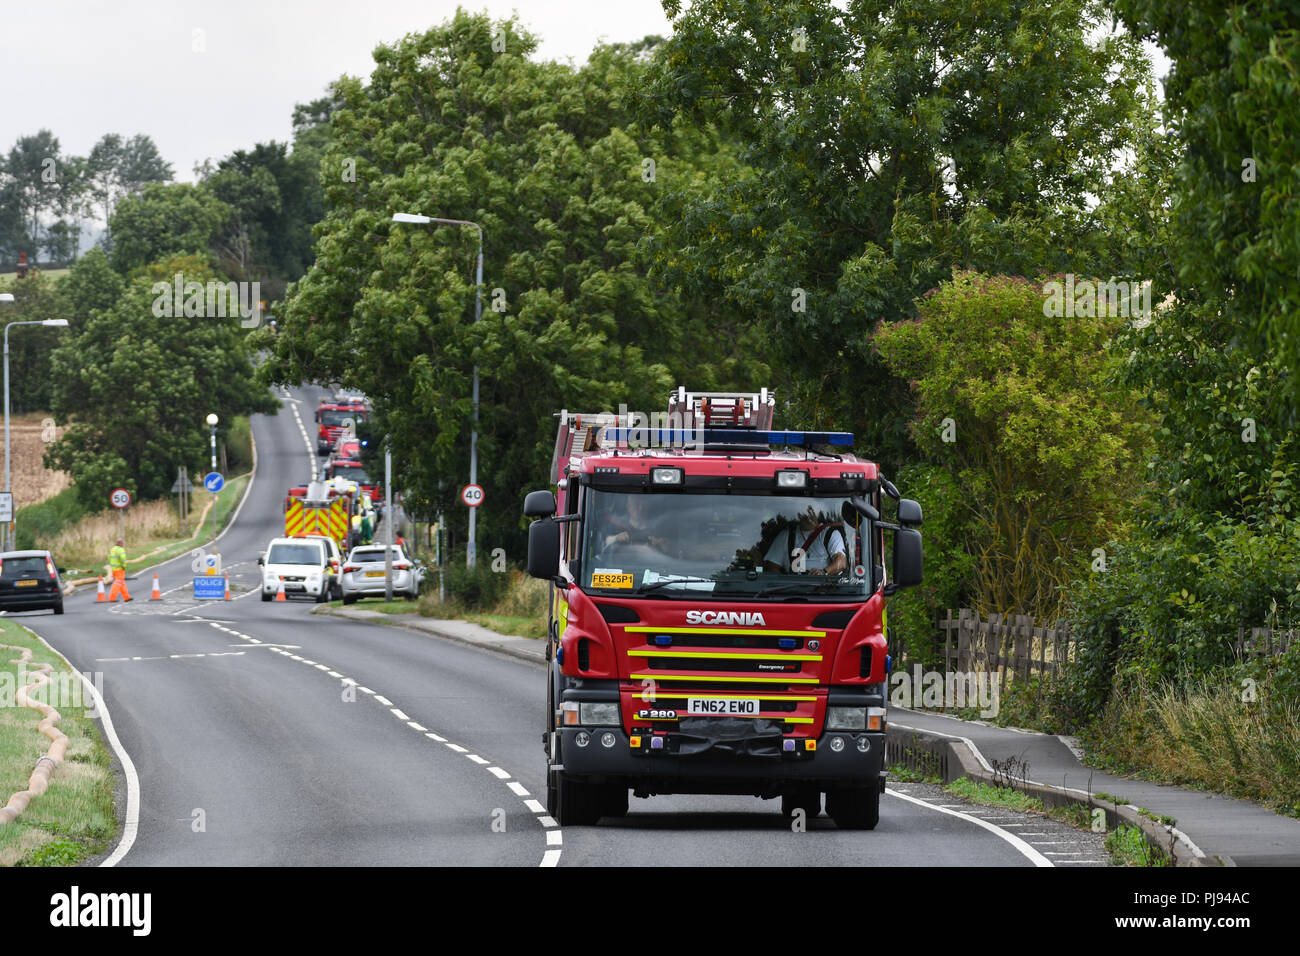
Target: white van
{"points": [[302, 564]]}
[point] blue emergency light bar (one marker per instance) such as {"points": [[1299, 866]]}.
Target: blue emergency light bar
{"points": [[661, 437]]}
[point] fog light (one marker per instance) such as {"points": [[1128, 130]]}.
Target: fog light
{"points": [[864, 744], [607, 739], [837, 744], [582, 738]]}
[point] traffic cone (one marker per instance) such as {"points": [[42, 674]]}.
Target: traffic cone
{"points": [[156, 595], [227, 587], [279, 595], [101, 597]]}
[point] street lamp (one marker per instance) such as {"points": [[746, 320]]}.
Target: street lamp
{"points": [[212, 423], [471, 548], [56, 323]]}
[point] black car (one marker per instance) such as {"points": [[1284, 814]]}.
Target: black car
{"points": [[30, 581]]}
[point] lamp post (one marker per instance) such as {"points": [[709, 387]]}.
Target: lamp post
{"points": [[56, 323], [212, 423], [471, 546]]}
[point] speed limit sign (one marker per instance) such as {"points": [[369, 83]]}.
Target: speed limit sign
{"points": [[472, 495], [120, 498]]}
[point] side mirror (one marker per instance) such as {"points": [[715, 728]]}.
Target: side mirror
{"points": [[543, 548], [539, 504], [865, 508], [907, 559], [909, 513], [261, 559]]}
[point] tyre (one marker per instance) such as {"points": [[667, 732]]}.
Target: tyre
{"points": [[266, 596], [613, 801], [857, 809], [805, 799], [58, 608], [323, 596], [349, 599], [571, 803]]}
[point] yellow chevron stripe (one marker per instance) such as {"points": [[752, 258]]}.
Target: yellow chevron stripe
{"points": [[726, 656], [750, 679], [645, 629]]}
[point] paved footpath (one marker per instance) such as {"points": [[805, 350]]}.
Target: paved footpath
{"points": [[1238, 832]]}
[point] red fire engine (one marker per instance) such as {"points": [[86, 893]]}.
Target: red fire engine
{"points": [[716, 621]]}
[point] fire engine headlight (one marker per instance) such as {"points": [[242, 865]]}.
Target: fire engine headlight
{"points": [[599, 715], [846, 718], [791, 478]]}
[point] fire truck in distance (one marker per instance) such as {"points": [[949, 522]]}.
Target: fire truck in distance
{"points": [[333, 417], [321, 508], [716, 616]]}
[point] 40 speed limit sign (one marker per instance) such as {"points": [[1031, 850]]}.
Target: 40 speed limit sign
{"points": [[120, 498], [472, 495]]}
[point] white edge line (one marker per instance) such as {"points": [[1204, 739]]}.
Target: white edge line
{"points": [[1024, 848], [131, 825], [550, 858]]}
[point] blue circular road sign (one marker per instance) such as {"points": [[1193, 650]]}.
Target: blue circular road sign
{"points": [[213, 481]]}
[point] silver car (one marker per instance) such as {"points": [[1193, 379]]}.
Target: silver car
{"points": [[363, 574]]}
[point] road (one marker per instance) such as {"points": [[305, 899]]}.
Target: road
{"points": [[265, 735]]}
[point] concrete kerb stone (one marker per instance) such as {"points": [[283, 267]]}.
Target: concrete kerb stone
{"points": [[956, 759]]}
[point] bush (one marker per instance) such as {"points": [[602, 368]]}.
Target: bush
{"points": [[43, 521], [239, 446], [478, 588]]}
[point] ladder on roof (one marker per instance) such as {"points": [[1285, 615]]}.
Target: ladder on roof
{"points": [[724, 409]]}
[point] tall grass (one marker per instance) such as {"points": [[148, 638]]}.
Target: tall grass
{"points": [[85, 544], [1208, 734]]}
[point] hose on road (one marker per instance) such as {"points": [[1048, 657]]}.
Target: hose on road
{"points": [[46, 765]]}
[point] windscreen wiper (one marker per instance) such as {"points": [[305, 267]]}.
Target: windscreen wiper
{"points": [[821, 587], [643, 589]]}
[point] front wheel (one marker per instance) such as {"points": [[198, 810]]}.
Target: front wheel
{"points": [[266, 596], [857, 809], [349, 599], [571, 803]]}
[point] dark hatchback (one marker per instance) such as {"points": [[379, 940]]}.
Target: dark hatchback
{"points": [[29, 581]]}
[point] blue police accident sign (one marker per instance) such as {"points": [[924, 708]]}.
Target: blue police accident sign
{"points": [[209, 587], [213, 481]]}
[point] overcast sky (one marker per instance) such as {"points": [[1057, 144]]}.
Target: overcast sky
{"points": [[83, 68]]}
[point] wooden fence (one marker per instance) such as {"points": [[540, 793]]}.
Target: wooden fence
{"points": [[1012, 645]]}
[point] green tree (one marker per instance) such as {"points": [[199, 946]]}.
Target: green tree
{"points": [[548, 159], [891, 142], [1013, 404], [134, 386], [163, 220], [36, 298]]}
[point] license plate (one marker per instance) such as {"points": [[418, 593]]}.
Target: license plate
{"points": [[374, 574], [26, 584], [722, 706]]}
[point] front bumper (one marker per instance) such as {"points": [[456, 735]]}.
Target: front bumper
{"points": [[271, 584], [723, 767]]}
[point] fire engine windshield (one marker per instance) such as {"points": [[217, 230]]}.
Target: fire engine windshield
{"points": [[335, 416], [728, 546]]}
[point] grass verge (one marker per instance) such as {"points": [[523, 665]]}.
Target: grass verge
{"points": [[74, 819], [1127, 846]]}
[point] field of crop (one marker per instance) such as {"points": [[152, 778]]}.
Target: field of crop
{"points": [[29, 435]]}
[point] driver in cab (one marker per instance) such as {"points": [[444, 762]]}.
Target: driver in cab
{"points": [[637, 525], [819, 542]]}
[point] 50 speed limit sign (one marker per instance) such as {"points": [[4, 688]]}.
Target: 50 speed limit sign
{"points": [[472, 495], [120, 498]]}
